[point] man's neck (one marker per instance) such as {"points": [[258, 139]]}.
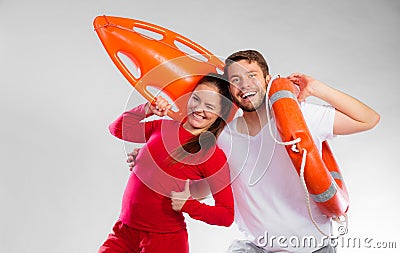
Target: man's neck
{"points": [[251, 123]]}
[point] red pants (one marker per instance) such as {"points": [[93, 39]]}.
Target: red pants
{"points": [[124, 239]]}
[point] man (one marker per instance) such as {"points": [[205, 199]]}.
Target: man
{"points": [[270, 205]]}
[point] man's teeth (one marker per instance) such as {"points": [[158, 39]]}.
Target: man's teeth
{"points": [[248, 94]]}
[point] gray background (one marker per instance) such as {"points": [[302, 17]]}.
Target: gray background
{"points": [[62, 173]]}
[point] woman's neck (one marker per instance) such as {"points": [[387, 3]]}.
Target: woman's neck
{"points": [[191, 129]]}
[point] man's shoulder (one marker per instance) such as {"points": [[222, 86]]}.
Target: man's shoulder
{"points": [[228, 130], [231, 124], [308, 107]]}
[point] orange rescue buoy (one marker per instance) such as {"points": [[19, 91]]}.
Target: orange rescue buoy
{"points": [[164, 61], [322, 174]]}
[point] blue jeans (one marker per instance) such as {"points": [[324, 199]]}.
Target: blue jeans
{"points": [[244, 246]]}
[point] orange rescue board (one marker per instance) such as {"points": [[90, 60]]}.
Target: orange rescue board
{"points": [[164, 62]]}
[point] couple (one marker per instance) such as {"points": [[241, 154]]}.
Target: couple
{"points": [[269, 204]]}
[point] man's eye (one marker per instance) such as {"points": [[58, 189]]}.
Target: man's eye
{"points": [[235, 80]]}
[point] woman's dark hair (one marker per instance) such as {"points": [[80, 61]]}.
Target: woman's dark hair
{"points": [[207, 139]]}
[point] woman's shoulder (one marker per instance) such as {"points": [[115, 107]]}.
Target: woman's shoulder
{"points": [[219, 152], [216, 162], [217, 156]]}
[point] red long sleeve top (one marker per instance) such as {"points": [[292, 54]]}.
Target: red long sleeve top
{"points": [[146, 203]]}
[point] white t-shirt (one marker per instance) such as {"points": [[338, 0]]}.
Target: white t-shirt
{"points": [[270, 205]]}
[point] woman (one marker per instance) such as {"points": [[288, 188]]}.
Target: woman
{"points": [[157, 192]]}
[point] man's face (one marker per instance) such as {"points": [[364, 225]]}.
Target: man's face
{"points": [[247, 85]]}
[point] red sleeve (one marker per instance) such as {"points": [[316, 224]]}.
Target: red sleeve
{"points": [[129, 127], [216, 171]]}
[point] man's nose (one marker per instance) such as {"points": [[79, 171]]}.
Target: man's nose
{"points": [[243, 83]]}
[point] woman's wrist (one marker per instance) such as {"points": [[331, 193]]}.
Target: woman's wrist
{"points": [[147, 110]]}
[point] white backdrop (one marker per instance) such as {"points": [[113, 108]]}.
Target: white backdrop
{"points": [[62, 173]]}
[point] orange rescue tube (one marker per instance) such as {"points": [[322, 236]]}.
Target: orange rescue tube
{"points": [[161, 60], [322, 174]]}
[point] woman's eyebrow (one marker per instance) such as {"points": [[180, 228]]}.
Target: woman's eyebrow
{"points": [[211, 105]]}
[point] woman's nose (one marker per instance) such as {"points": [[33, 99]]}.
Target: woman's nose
{"points": [[201, 108]]}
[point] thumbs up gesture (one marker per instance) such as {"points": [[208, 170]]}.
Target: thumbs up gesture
{"points": [[180, 198]]}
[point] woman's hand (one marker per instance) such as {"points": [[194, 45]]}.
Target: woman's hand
{"points": [[160, 107], [179, 198]]}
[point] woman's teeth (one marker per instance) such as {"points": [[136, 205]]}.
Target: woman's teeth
{"points": [[196, 115]]}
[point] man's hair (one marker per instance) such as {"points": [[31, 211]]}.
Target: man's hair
{"points": [[250, 56]]}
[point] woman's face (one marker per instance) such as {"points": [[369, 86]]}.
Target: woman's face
{"points": [[204, 106]]}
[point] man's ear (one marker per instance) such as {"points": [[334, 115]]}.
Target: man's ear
{"points": [[267, 79]]}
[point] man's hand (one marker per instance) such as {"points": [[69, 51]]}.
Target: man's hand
{"points": [[179, 198], [306, 84], [351, 115], [132, 158]]}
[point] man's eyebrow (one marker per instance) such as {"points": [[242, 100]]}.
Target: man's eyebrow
{"points": [[247, 72]]}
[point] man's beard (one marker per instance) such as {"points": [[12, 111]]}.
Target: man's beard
{"points": [[252, 106]]}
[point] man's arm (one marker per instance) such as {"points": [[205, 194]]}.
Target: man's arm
{"points": [[352, 116], [132, 158]]}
